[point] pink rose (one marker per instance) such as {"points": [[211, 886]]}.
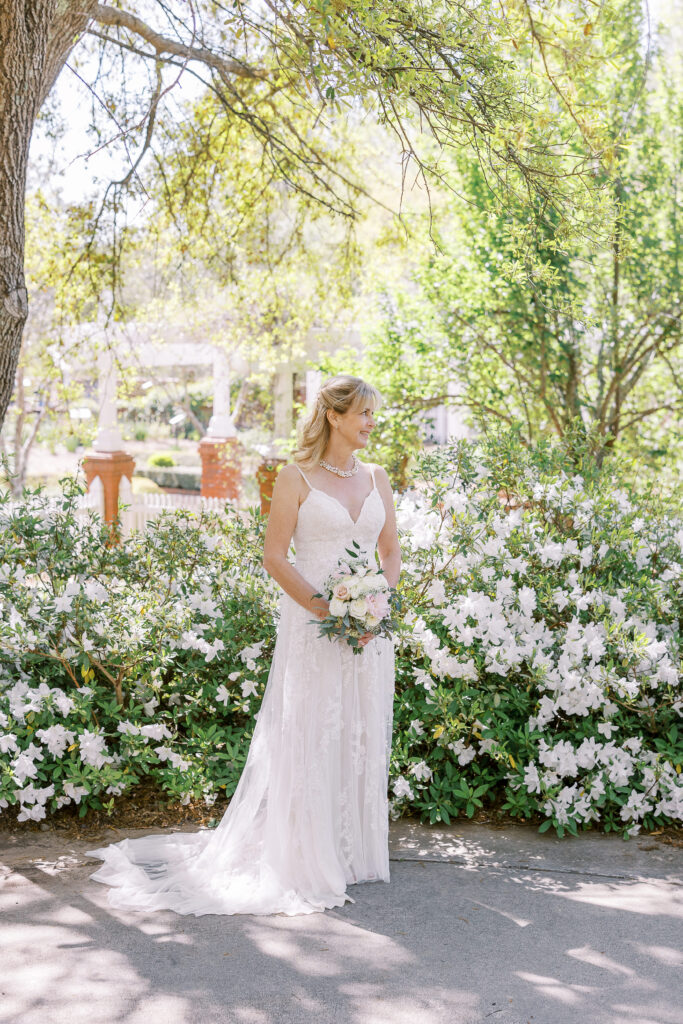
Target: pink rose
{"points": [[341, 592], [378, 605]]}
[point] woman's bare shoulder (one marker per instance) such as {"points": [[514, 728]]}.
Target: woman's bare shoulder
{"points": [[290, 472], [290, 481], [380, 473]]}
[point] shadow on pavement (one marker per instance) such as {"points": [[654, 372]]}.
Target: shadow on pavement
{"points": [[444, 943]]}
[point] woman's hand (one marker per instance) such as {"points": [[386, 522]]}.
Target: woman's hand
{"points": [[320, 607], [365, 638]]}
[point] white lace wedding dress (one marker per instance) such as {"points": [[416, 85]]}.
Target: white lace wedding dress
{"points": [[310, 813]]}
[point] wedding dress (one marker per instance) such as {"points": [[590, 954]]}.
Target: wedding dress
{"points": [[310, 812]]}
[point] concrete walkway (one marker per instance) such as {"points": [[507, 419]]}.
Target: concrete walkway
{"points": [[478, 926]]}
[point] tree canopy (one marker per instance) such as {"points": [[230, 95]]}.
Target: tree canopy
{"points": [[486, 76]]}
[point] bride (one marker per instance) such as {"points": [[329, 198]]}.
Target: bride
{"points": [[310, 813]]}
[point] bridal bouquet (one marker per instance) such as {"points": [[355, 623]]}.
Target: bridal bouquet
{"points": [[361, 601]]}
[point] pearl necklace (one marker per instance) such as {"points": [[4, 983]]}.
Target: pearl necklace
{"points": [[341, 472]]}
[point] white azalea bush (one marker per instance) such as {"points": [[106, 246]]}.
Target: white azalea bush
{"points": [[122, 662], [542, 666], [539, 670]]}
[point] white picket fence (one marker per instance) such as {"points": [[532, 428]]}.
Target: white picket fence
{"points": [[91, 500], [139, 509]]}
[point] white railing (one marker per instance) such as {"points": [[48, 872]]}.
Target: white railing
{"points": [[141, 508], [91, 500], [137, 509]]}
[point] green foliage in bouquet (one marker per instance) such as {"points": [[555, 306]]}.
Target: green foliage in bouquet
{"points": [[347, 627]]}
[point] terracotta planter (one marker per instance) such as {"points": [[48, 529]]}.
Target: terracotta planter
{"points": [[266, 474]]}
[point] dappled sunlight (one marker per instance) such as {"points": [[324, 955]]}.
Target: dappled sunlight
{"points": [[555, 989], [407, 840], [519, 921], [664, 954], [600, 959], [634, 897], [313, 949], [461, 940]]}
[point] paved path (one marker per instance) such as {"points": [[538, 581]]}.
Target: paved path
{"points": [[478, 926]]}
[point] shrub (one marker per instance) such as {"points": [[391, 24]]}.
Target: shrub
{"points": [[539, 668], [161, 459], [128, 661], [542, 663]]}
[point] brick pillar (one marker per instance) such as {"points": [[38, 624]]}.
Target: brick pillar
{"points": [[221, 472], [110, 467], [266, 474]]}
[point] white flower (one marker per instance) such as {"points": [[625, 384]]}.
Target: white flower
{"points": [[337, 608], [64, 704], [417, 726], [8, 742], [223, 694], [128, 728], [251, 653], [532, 782], [421, 771], [249, 687], [166, 754], [75, 792], [436, 592], [527, 600], [155, 732], [35, 813], [63, 602], [464, 753], [358, 608], [94, 591], [402, 788], [56, 738], [92, 747], [467, 755]]}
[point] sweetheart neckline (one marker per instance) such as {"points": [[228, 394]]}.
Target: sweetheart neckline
{"points": [[319, 490]]}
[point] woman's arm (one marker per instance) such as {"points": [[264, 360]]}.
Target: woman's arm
{"points": [[284, 509], [387, 543]]}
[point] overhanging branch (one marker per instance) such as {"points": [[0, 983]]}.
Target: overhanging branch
{"points": [[114, 17]]}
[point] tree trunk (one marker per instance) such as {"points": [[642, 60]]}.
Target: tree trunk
{"points": [[35, 39]]}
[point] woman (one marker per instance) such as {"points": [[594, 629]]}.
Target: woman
{"points": [[309, 815]]}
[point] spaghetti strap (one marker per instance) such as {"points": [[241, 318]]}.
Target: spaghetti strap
{"points": [[305, 478], [372, 475]]}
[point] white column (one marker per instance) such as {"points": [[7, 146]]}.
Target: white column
{"points": [[108, 435], [283, 400], [221, 423], [314, 379]]}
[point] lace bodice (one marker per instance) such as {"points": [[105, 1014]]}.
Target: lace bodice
{"points": [[324, 530]]}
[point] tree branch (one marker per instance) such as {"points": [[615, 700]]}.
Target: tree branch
{"points": [[161, 44]]}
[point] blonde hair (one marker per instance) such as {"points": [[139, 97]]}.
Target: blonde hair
{"points": [[339, 393]]}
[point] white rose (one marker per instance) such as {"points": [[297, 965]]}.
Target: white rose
{"points": [[337, 607], [358, 608]]}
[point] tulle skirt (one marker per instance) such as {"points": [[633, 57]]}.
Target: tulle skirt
{"points": [[310, 812]]}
